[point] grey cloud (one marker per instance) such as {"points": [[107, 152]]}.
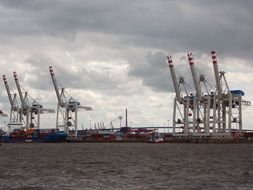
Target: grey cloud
{"points": [[82, 78], [190, 25], [171, 25], [155, 73]]}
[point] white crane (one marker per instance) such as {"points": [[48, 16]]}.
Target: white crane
{"points": [[216, 113], [30, 110], [15, 117], [24, 101], [66, 108], [182, 102]]}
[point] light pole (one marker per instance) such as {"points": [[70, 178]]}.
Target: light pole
{"points": [[168, 125]]}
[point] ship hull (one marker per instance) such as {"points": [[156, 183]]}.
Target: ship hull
{"points": [[56, 137]]}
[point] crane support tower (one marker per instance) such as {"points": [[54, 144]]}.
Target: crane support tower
{"points": [[67, 108], [209, 112]]}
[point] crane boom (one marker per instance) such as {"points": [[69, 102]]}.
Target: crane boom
{"points": [[174, 78], [216, 73], [55, 85], [8, 91], [194, 75], [19, 89]]}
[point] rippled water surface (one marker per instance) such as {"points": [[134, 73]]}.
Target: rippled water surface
{"points": [[126, 166]]}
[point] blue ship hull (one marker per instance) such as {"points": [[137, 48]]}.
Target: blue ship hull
{"points": [[37, 138]]}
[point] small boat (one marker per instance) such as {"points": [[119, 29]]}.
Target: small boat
{"points": [[161, 140], [155, 138]]}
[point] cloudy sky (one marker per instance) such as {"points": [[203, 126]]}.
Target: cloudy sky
{"points": [[111, 54]]}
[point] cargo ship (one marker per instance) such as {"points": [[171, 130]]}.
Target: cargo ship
{"points": [[151, 135], [124, 134], [34, 136]]}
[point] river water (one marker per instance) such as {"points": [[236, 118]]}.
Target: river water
{"points": [[126, 166]]}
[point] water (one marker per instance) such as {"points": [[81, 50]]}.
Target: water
{"points": [[126, 166]]}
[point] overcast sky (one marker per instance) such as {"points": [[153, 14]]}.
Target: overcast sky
{"points": [[111, 54]]}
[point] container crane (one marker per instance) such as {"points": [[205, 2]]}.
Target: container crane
{"points": [[67, 109], [30, 111], [201, 107], [217, 113], [15, 114], [25, 109], [229, 102], [182, 103]]}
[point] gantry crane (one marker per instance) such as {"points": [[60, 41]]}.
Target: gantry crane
{"points": [[66, 108], [15, 114], [202, 102], [229, 103], [30, 111], [214, 113], [25, 109], [182, 103]]}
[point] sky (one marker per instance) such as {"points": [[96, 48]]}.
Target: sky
{"points": [[111, 55]]}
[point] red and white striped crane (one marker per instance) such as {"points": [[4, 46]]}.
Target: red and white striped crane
{"points": [[30, 110], [15, 117], [67, 108]]}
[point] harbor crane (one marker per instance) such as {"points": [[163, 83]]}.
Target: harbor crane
{"points": [[182, 106], [15, 114], [206, 112], [67, 107], [31, 111], [201, 102]]}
